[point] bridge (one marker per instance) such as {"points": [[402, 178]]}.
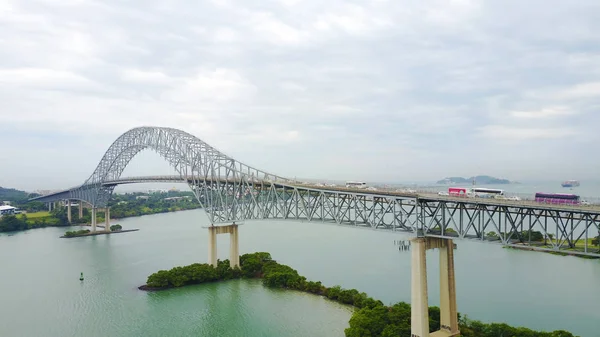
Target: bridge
{"points": [[231, 191]]}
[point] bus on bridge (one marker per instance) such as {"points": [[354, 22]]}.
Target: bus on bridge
{"points": [[475, 192], [356, 184], [557, 198]]}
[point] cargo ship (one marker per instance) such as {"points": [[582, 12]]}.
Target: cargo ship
{"points": [[570, 183]]}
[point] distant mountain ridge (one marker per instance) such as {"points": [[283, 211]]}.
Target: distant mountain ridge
{"points": [[479, 180], [11, 194]]}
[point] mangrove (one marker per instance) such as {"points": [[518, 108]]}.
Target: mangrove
{"points": [[371, 317]]}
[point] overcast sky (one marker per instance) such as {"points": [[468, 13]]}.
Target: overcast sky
{"points": [[363, 90]]}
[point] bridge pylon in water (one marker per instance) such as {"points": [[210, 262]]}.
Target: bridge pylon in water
{"points": [[419, 297], [234, 246]]}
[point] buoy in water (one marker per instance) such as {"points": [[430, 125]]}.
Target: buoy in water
{"points": [[81, 277]]}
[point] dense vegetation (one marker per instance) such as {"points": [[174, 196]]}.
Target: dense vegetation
{"points": [[76, 233], [115, 228], [136, 204], [14, 195], [121, 206], [11, 223], [372, 318]]}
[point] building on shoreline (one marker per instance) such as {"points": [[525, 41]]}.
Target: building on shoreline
{"points": [[8, 210]]}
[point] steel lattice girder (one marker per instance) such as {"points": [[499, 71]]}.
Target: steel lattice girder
{"points": [[507, 225]]}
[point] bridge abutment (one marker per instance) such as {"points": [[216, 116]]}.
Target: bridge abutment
{"points": [[419, 296], [234, 249]]}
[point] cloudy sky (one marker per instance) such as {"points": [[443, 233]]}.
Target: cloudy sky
{"points": [[367, 90]]}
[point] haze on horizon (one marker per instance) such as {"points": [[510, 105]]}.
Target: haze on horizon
{"points": [[360, 90]]}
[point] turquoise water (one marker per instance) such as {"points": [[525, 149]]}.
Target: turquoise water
{"points": [[41, 294]]}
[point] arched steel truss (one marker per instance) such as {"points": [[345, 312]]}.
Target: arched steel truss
{"points": [[208, 172]]}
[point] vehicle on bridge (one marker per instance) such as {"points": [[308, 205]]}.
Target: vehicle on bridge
{"points": [[557, 198], [487, 192], [475, 192], [459, 192], [356, 184]]}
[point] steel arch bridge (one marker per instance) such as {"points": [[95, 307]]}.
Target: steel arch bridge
{"points": [[230, 191]]}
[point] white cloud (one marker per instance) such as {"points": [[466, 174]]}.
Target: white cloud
{"points": [[41, 77], [301, 88], [221, 85], [523, 133], [583, 90], [275, 31], [135, 75], [226, 35], [543, 113]]}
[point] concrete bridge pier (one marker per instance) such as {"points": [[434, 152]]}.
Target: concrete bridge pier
{"points": [[69, 210], [93, 219], [80, 209], [234, 249], [419, 297], [107, 219]]}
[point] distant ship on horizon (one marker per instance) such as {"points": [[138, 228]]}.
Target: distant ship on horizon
{"points": [[570, 183]]}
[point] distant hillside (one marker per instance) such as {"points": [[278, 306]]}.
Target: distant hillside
{"points": [[479, 180], [11, 194]]}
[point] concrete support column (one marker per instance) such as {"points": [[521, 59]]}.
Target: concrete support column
{"points": [[419, 300], [80, 209], [107, 219], [93, 219], [49, 207], [69, 210], [448, 311], [234, 248], [212, 246]]}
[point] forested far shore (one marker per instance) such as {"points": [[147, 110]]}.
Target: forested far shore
{"points": [[121, 206], [371, 317]]}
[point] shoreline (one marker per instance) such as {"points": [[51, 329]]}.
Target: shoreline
{"points": [[553, 252], [113, 219], [100, 233], [370, 315]]}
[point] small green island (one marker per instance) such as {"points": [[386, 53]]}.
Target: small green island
{"points": [[371, 317], [479, 180], [114, 229]]}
